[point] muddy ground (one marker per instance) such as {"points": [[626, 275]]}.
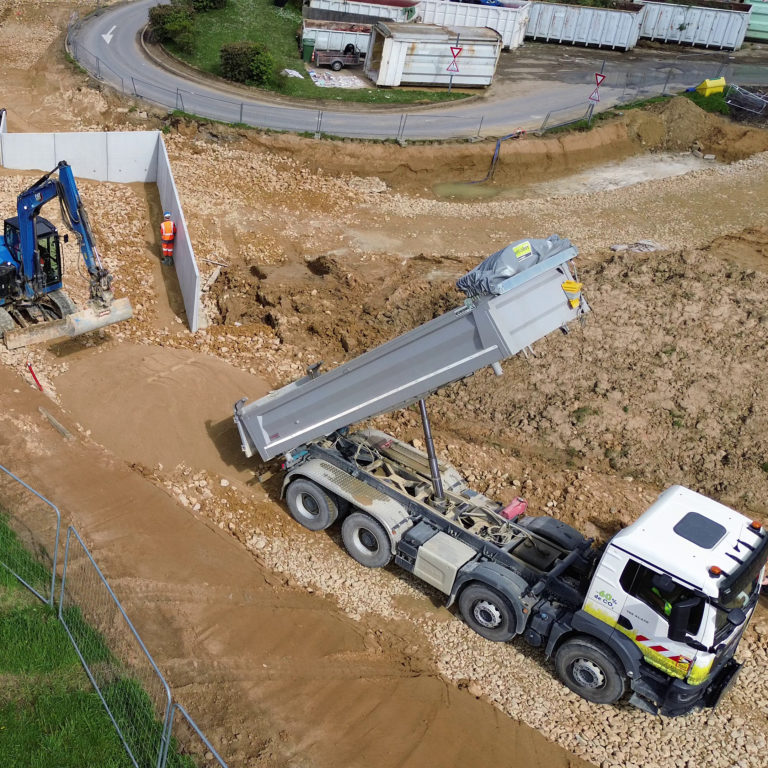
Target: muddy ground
{"points": [[280, 646]]}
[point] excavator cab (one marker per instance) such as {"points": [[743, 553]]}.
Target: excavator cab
{"points": [[48, 248]]}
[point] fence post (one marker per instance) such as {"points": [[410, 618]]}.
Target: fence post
{"points": [[402, 130], [319, 123], [241, 112], [666, 82], [133, 82], [482, 117], [98, 67]]}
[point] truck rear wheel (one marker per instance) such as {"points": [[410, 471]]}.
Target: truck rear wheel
{"points": [[488, 613], [311, 505], [589, 668], [366, 541]]}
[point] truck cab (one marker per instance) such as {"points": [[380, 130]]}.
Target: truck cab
{"points": [[680, 584]]}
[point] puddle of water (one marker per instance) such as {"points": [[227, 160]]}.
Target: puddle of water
{"points": [[633, 170]]}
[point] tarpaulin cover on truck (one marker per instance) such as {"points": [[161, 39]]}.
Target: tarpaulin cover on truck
{"points": [[487, 276]]}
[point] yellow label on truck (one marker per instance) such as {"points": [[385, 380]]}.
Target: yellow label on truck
{"points": [[521, 249]]}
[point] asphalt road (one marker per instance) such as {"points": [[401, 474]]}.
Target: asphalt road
{"points": [[532, 82]]}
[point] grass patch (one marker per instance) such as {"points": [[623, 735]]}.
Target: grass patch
{"points": [[275, 28], [580, 414]]}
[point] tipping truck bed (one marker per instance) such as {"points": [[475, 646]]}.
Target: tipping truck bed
{"points": [[488, 328]]}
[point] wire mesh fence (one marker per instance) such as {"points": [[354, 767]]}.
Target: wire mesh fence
{"points": [[123, 673], [155, 731], [29, 524]]}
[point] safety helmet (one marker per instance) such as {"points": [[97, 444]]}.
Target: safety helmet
{"points": [[167, 215]]}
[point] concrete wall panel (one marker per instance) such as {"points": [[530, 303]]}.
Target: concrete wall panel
{"points": [[137, 153], [183, 253]]}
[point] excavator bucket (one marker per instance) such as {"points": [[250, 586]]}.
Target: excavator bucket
{"points": [[92, 318]]}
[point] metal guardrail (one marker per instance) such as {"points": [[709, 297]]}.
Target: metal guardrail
{"points": [[131, 687], [32, 525]]}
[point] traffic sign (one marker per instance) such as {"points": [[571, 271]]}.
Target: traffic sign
{"points": [[595, 95], [599, 79], [454, 65]]}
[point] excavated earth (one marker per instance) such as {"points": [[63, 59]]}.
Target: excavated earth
{"points": [[282, 648]]}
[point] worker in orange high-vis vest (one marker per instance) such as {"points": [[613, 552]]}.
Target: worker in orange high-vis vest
{"points": [[167, 234]]}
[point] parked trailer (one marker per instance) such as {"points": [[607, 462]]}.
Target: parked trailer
{"points": [[709, 23], [509, 22], [658, 612], [425, 54], [615, 27], [396, 10], [331, 36]]}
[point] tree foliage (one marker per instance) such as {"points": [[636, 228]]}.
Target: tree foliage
{"points": [[247, 62], [173, 23]]}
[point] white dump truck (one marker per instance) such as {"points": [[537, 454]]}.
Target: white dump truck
{"points": [[656, 613]]}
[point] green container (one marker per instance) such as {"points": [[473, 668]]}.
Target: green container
{"points": [[758, 22], [307, 49]]}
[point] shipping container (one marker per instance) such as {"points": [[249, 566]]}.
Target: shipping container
{"points": [[615, 27], [711, 24], [335, 35], [425, 54], [510, 22], [395, 10], [758, 21]]}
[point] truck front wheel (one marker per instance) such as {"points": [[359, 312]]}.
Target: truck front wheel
{"points": [[366, 541], [589, 668], [311, 505], [488, 613]]}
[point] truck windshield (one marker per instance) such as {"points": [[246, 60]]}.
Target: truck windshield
{"points": [[740, 589]]}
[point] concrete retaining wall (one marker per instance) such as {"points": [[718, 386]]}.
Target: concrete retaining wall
{"points": [[124, 157]]}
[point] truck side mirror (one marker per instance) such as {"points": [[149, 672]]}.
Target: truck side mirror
{"points": [[679, 617], [736, 617]]}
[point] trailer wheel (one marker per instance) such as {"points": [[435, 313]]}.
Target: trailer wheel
{"points": [[366, 541], [487, 613], [336, 66], [311, 505], [589, 668]]}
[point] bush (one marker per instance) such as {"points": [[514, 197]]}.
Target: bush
{"points": [[247, 62], [173, 24], [201, 6]]}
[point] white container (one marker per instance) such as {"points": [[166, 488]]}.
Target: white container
{"points": [[393, 12], [336, 36], [719, 25], [423, 54], [509, 22], [602, 27]]}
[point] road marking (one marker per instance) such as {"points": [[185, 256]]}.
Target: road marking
{"points": [[108, 36]]}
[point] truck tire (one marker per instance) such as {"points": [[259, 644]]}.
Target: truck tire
{"points": [[589, 668], [488, 613], [366, 540], [311, 505], [336, 65]]}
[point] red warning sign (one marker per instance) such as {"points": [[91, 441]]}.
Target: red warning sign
{"points": [[599, 79], [454, 65], [595, 95]]}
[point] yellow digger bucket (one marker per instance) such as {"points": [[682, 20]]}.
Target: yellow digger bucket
{"points": [[92, 318], [573, 292]]}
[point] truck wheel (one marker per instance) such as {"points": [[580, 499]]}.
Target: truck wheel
{"points": [[487, 613], [62, 302], [589, 668], [366, 540], [336, 66], [310, 505]]}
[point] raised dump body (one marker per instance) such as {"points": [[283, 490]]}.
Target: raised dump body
{"points": [[522, 300]]}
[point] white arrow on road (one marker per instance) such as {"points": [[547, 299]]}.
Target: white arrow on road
{"points": [[108, 36]]}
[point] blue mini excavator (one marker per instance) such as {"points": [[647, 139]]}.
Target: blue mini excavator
{"points": [[33, 305]]}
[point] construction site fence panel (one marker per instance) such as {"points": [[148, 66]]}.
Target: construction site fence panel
{"points": [[118, 664], [3, 124], [29, 535], [156, 731]]}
